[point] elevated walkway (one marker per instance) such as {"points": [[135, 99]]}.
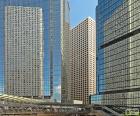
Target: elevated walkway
{"points": [[14, 105]]}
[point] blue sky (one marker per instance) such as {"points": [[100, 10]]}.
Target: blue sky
{"points": [[81, 9]]}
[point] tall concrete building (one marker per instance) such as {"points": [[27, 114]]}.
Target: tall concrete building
{"points": [[33, 35], [82, 61], [23, 51], [118, 53]]}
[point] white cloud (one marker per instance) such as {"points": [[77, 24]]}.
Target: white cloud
{"points": [[58, 89]]}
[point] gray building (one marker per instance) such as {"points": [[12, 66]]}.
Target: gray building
{"points": [[23, 51]]}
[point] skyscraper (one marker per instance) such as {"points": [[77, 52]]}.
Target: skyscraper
{"points": [[118, 52], [82, 81], [40, 25], [65, 57], [23, 51]]}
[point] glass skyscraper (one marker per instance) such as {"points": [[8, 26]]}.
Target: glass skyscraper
{"points": [[50, 23], [118, 53], [65, 54]]}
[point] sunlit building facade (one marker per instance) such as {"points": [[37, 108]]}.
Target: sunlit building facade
{"points": [[83, 61], [40, 23], [118, 53]]}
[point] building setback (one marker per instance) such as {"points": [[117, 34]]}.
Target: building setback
{"points": [[118, 74], [83, 61]]}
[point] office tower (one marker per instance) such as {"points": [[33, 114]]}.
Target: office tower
{"points": [[40, 25], [83, 61], [65, 55], [23, 51], [118, 31]]}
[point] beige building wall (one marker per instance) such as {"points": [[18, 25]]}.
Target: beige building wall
{"points": [[83, 60]]}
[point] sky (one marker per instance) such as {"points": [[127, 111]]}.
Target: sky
{"points": [[81, 9]]}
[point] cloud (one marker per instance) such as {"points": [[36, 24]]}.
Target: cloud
{"points": [[58, 89]]}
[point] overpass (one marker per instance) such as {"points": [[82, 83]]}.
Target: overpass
{"points": [[20, 106]]}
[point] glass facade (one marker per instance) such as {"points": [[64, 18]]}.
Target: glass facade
{"points": [[118, 24], [65, 54], [104, 10], [53, 31]]}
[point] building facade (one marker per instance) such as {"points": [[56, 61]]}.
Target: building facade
{"points": [[65, 51], [83, 61], [37, 20], [118, 53], [23, 51]]}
